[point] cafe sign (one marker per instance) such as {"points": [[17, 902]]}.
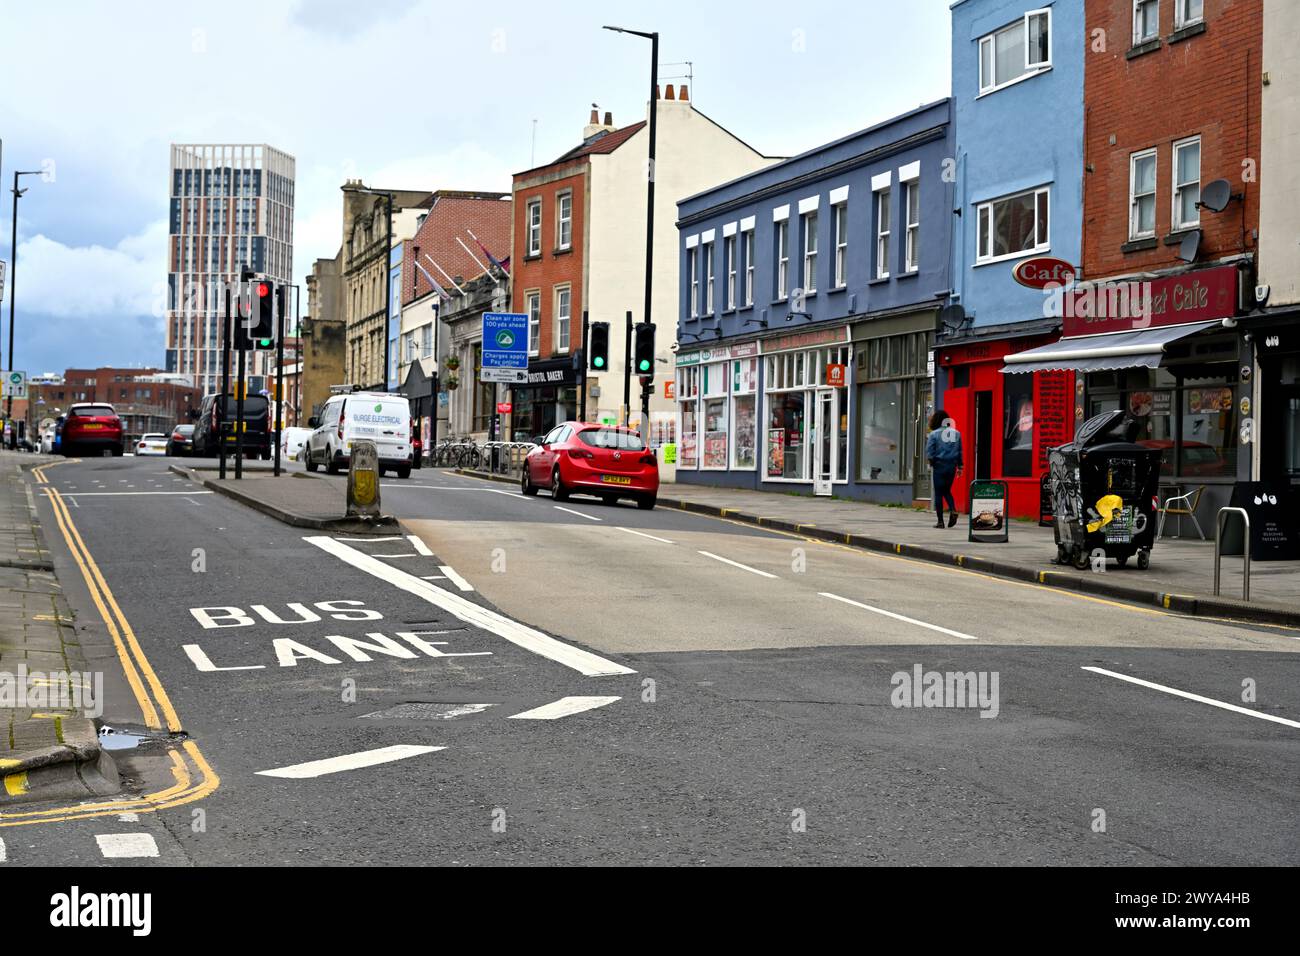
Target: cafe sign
{"points": [[1121, 306], [1042, 271]]}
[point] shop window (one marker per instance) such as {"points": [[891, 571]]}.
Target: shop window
{"points": [[744, 416], [714, 455], [1018, 425], [787, 451], [688, 390], [880, 422], [1208, 448]]}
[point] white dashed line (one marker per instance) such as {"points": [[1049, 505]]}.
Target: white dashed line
{"points": [[578, 513], [1196, 697], [564, 707], [128, 817], [455, 578], [899, 617], [366, 758], [735, 564], [644, 535], [3, 853], [521, 635], [126, 846], [420, 546]]}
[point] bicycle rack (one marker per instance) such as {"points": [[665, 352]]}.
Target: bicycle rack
{"points": [[1245, 550]]}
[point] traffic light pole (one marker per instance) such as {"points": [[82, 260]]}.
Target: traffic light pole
{"points": [[279, 375], [225, 384], [627, 371], [239, 415], [582, 372]]}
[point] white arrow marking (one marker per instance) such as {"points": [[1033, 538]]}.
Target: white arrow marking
{"points": [[366, 758], [564, 707]]}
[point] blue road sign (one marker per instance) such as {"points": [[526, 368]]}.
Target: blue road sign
{"points": [[505, 347]]}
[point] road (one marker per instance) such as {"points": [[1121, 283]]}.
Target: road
{"points": [[531, 683]]}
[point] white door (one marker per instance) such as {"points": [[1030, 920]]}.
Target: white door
{"points": [[825, 447]]}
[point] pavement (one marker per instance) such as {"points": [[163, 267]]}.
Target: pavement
{"points": [[48, 744], [507, 680], [1181, 575]]}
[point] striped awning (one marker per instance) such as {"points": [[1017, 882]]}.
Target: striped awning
{"points": [[1140, 348]]}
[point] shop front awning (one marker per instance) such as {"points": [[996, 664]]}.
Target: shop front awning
{"points": [[1140, 348]]}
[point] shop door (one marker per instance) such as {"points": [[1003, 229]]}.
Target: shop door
{"points": [[922, 409], [825, 446], [983, 435]]}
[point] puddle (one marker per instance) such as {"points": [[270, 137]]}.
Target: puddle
{"points": [[113, 739]]}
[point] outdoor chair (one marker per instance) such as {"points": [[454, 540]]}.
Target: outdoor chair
{"points": [[1186, 508]]}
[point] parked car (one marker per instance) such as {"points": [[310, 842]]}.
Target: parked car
{"points": [[380, 417], [257, 426], [181, 441], [292, 442], [154, 443], [91, 427], [592, 459]]}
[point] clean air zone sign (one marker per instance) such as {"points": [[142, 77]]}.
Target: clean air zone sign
{"points": [[505, 348]]}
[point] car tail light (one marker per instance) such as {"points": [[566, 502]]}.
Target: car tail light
{"points": [[580, 453], [342, 417], [647, 459]]}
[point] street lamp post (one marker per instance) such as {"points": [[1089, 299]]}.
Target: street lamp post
{"points": [[13, 290], [653, 37]]}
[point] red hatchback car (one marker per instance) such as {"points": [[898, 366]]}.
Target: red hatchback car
{"points": [[590, 459], [91, 427]]}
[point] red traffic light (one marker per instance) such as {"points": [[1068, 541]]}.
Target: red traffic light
{"points": [[263, 290]]}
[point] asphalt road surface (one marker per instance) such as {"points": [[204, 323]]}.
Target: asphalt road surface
{"points": [[511, 681]]}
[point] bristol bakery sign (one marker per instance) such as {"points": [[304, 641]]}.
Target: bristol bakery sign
{"points": [[1100, 306]]}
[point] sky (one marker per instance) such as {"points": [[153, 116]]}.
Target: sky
{"points": [[410, 94]]}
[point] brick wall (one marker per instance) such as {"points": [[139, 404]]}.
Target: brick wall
{"points": [[552, 268], [1205, 83]]}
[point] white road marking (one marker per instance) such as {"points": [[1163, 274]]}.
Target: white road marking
{"points": [[126, 846], [454, 577], [114, 494], [644, 535], [3, 852], [578, 513], [394, 537], [397, 555], [516, 633], [509, 494], [899, 617], [1196, 697], [564, 707], [128, 817], [420, 546], [366, 758], [735, 564]]}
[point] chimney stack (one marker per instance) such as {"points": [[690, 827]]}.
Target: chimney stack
{"points": [[681, 92], [595, 126], [609, 119], [668, 93]]}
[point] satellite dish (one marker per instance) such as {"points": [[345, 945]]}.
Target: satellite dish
{"points": [[1216, 195], [952, 317], [1190, 246]]}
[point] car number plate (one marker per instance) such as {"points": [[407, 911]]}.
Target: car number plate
{"points": [[92, 427], [616, 479]]}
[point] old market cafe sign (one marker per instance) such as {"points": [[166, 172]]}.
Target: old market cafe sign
{"points": [[1042, 271], [1202, 295]]}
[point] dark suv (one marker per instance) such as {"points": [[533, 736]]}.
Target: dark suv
{"points": [[90, 428], [257, 426]]}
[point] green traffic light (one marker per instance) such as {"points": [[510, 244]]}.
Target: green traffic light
{"points": [[598, 362], [644, 366]]}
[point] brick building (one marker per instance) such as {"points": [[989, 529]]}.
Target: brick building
{"points": [[1172, 105], [147, 399]]}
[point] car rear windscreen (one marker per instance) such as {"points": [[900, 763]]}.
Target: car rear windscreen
{"points": [[255, 407], [94, 411], [612, 438]]}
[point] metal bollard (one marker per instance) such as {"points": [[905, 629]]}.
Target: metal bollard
{"points": [[363, 481], [1245, 550]]}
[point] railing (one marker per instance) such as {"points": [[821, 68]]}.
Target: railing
{"points": [[504, 457], [1245, 549]]}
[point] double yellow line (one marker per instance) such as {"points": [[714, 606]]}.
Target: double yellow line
{"points": [[155, 705]]}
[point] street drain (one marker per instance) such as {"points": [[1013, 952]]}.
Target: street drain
{"points": [[426, 710]]}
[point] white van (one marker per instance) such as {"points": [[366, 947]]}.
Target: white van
{"points": [[380, 417], [292, 441]]}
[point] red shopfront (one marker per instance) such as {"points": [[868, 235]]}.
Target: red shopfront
{"points": [[1007, 422]]}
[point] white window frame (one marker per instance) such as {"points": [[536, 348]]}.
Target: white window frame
{"points": [[1181, 18], [783, 260], [1175, 223], [986, 208], [534, 212], [709, 269], [533, 307], [1134, 231], [1030, 69], [563, 220], [736, 391], [693, 267], [563, 319], [1138, 38], [840, 226], [883, 219], [809, 252], [912, 228], [747, 245], [729, 250]]}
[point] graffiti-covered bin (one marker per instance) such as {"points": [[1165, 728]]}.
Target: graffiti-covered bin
{"points": [[1104, 494]]}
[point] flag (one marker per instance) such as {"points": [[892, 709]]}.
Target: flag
{"points": [[502, 264], [442, 293]]}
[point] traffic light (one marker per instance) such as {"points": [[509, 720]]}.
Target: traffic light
{"points": [[599, 333], [263, 333], [643, 354]]}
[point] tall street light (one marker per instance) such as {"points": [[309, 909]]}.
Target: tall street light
{"points": [[649, 195], [13, 284]]}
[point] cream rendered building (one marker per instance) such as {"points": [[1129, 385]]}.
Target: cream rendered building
{"points": [[1279, 181], [692, 153]]}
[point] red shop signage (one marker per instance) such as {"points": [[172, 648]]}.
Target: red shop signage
{"points": [[1122, 305]]}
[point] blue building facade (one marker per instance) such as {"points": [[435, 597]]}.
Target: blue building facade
{"points": [[1018, 108], [808, 303]]}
